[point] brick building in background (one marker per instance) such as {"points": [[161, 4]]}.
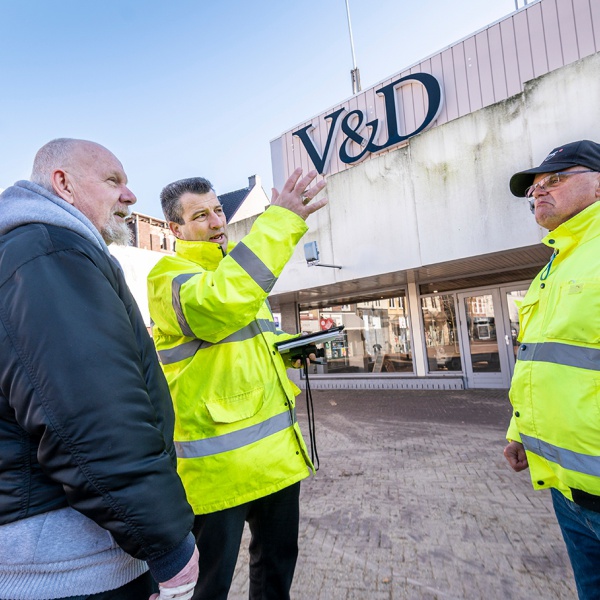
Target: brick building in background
{"points": [[150, 233]]}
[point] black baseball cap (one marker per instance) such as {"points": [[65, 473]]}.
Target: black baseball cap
{"points": [[583, 153]]}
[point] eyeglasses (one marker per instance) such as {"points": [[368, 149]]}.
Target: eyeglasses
{"points": [[552, 181]]}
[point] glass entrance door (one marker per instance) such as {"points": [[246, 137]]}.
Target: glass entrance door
{"points": [[483, 339], [512, 296]]}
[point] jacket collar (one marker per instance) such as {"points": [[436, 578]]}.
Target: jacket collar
{"points": [[579, 229], [206, 254]]}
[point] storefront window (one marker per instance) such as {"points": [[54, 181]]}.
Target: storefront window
{"points": [[483, 341], [376, 338], [441, 335]]}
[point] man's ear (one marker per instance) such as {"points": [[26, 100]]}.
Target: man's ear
{"points": [[62, 185], [174, 227]]}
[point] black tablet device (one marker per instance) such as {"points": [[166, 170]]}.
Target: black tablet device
{"points": [[309, 339]]}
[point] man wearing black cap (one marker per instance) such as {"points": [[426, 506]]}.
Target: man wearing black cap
{"points": [[555, 391]]}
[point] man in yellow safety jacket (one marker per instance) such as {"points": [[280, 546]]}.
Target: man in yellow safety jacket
{"points": [[555, 391], [240, 452]]}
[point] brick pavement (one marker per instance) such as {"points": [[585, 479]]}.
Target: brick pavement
{"points": [[414, 500]]}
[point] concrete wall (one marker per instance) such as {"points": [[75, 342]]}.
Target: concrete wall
{"points": [[137, 264]]}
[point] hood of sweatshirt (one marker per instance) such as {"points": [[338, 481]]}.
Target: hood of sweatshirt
{"points": [[26, 202]]}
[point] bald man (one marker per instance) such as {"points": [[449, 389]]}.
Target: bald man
{"points": [[90, 502]]}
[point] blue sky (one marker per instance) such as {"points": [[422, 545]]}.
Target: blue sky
{"points": [[180, 88]]}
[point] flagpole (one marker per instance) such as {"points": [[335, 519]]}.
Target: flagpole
{"points": [[354, 73]]}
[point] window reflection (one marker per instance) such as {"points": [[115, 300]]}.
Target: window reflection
{"points": [[483, 342], [441, 335], [376, 338], [513, 301]]}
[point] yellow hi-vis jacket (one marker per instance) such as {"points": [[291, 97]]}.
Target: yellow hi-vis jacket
{"points": [[555, 390], [236, 433]]}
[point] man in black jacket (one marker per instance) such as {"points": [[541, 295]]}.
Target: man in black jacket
{"points": [[89, 494]]}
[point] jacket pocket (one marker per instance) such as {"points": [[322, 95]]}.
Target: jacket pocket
{"points": [[236, 408], [576, 313], [526, 309]]}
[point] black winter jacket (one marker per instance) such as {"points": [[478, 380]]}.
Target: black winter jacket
{"points": [[85, 414]]}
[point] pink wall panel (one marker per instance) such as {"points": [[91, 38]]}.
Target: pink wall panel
{"points": [[420, 102], [595, 12], [511, 61], [568, 34], [424, 67], [288, 148], [305, 162], [523, 45], [552, 35], [449, 85], [584, 26], [473, 81], [485, 68], [497, 62], [438, 72], [538, 41], [460, 78]]}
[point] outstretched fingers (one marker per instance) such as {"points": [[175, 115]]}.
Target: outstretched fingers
{"points": [[292, 181], [315, 205], [308, 194], [298, 194], [302, 183]]}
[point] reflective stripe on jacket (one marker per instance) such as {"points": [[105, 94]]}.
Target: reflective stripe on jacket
{"points": [[556, 384], [236, 433]]}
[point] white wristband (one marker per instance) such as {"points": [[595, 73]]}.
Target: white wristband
{"points": [[181, 592]]}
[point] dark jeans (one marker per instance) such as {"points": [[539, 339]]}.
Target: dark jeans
{"points": [[273, 522], [138, 589], [581, 531]]}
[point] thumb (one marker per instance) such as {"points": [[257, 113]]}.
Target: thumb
{"points": [[274, 195]]}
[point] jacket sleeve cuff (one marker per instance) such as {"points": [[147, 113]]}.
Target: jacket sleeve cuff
{"points": [[293, 220], [512, 435], [169, 564]]}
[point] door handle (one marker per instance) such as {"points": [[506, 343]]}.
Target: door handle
{"points": [[507, 340]]}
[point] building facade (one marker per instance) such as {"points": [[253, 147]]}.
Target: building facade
{"points": [[434, 251]]}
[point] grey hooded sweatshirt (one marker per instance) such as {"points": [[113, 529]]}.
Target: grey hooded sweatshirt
{"points": [[60, 552]]}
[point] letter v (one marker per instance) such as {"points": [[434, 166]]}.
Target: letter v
{"points": [[320, 162]]}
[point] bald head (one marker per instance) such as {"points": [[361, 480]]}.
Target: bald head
{"points": [[56, 154], [90, 178]]}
